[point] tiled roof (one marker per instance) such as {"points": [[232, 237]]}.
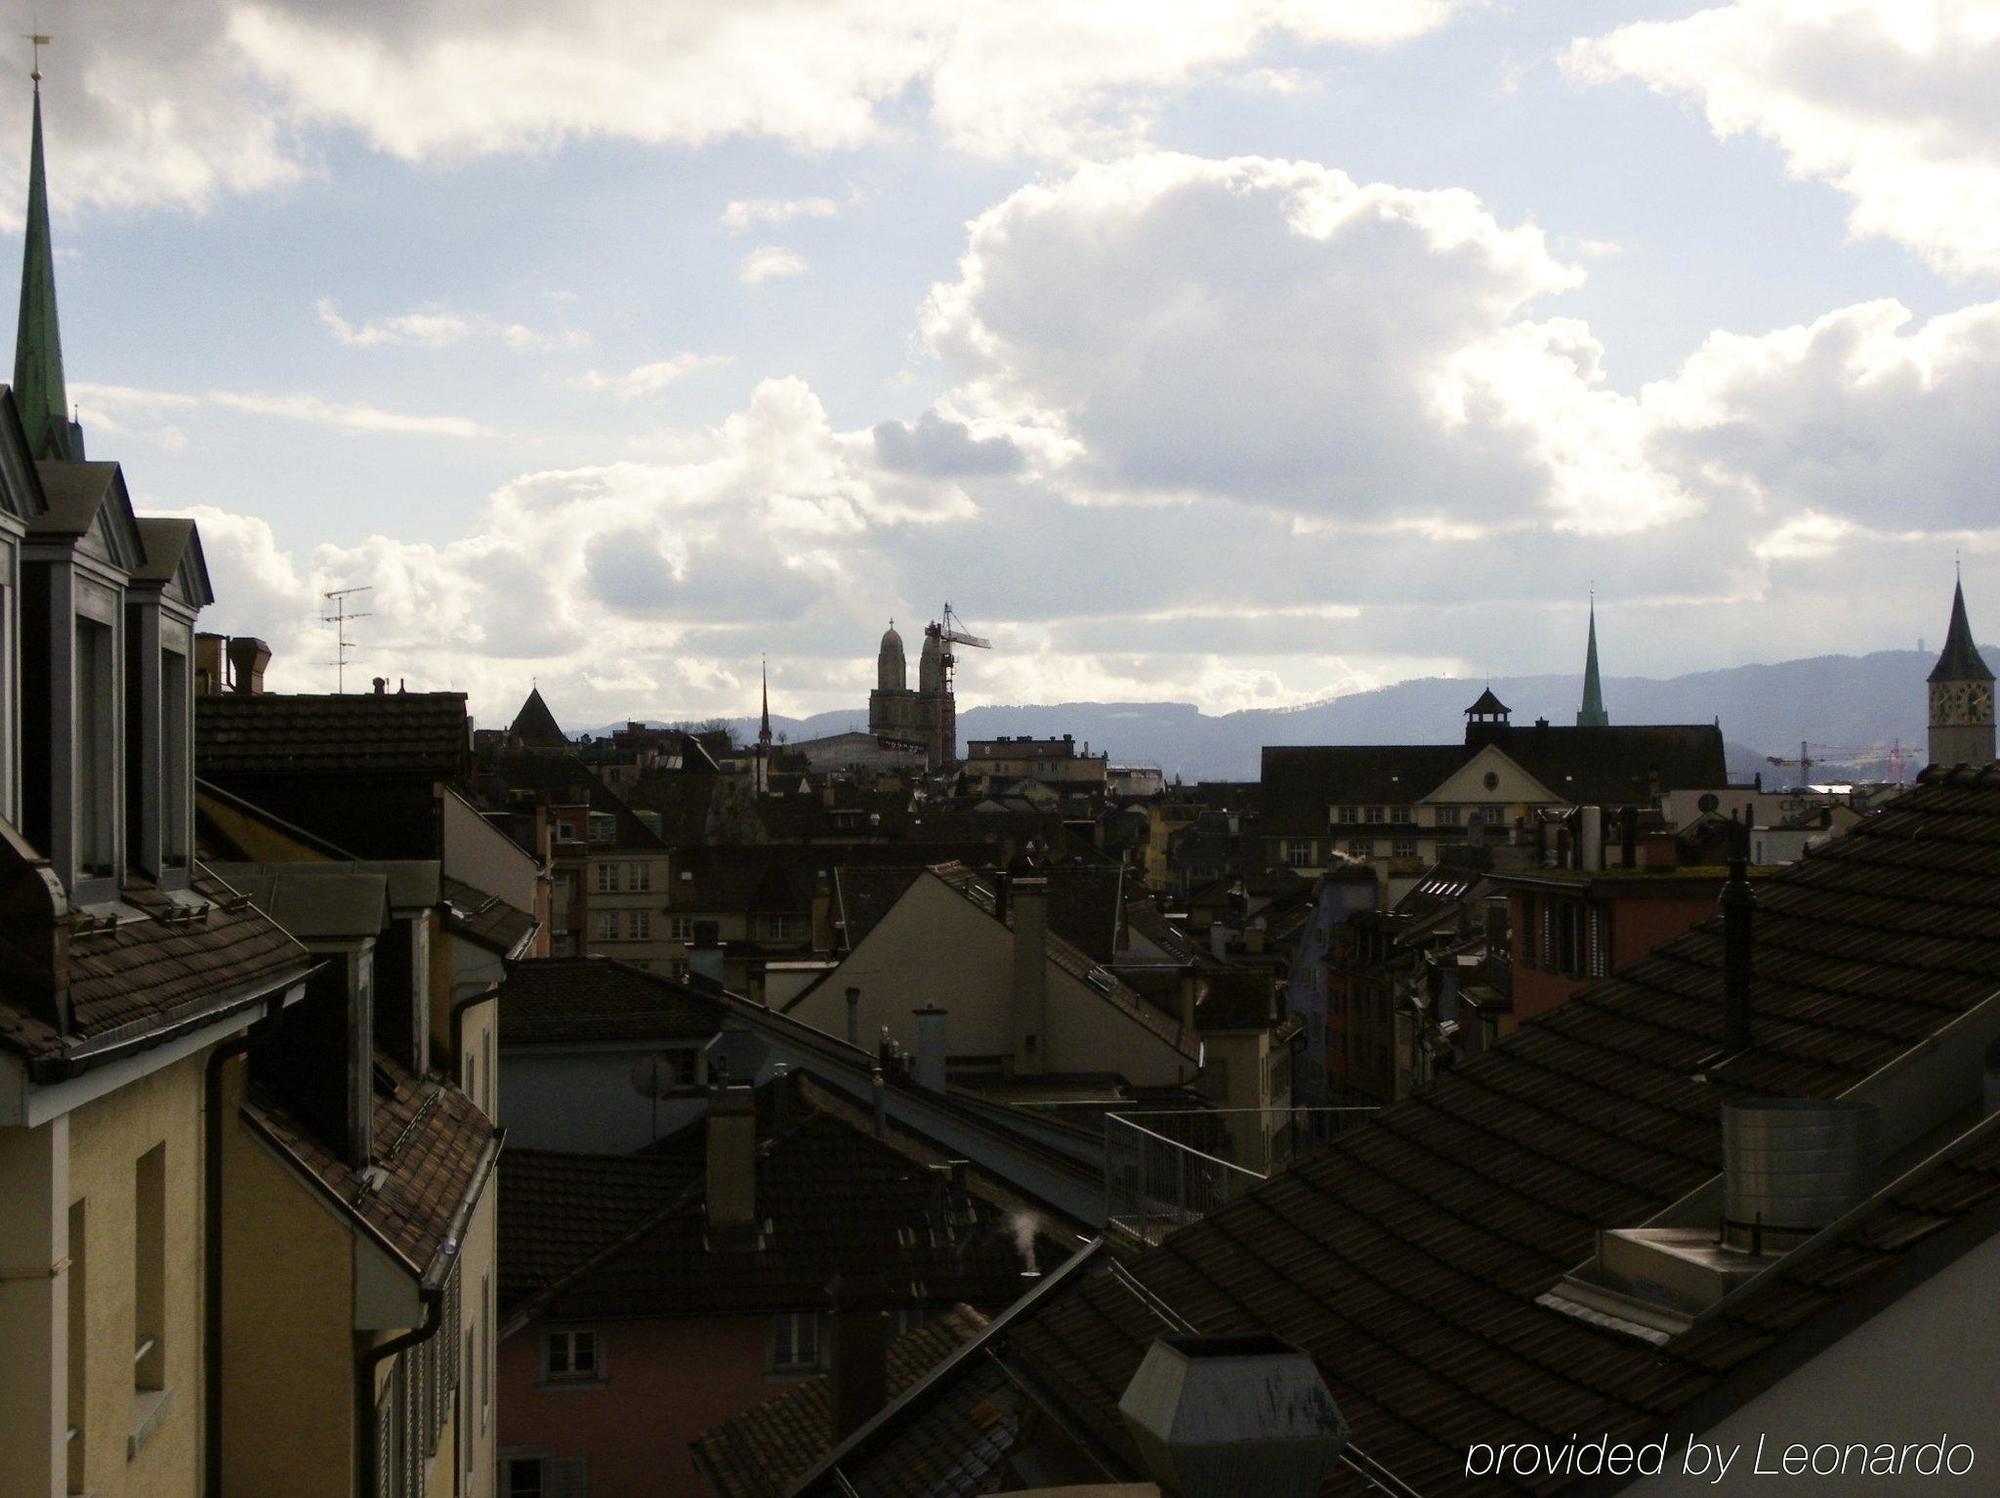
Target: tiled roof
{"points": [[1072, 960], [1409, 1256], [486, 919], [761, 1453], [550, 1000], [832, 1200], [270, 733], [151, 974], [431, 1144], [559, 1209], [536, 726]]}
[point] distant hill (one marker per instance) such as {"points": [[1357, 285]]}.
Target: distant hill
{"points": [[1850, 708]]}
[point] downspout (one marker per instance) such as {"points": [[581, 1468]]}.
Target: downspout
{"points": [[212, 1227], [432, 1294]]}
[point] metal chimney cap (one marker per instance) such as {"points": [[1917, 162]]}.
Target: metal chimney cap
{"points": [[1233, 1414]]}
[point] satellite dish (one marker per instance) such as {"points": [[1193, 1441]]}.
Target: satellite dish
{"points": [[656, 1077]]}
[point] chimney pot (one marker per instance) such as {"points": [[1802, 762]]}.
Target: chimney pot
{"points": [[248, 656]]}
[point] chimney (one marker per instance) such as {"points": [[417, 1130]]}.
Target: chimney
{"points": [[1031, 973], [930, 1047], [859, 1382], [822, 912], [1000, 893], [1218, 941], [1739, 904], [853, 1016], [1659, 850], [1590, 838], [248, 656], [732, 1160], [381, 685], [209, 672], [879, 1091]]}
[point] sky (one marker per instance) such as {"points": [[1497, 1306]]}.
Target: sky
{"points": [[1243, 353]]}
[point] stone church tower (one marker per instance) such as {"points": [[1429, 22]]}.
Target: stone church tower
{"points": [[1961, 696]]}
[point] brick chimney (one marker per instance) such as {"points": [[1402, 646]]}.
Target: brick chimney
{"points": [[248, 656], [1031, 973], [209, 672], [859, 1337], [731, 1187]]}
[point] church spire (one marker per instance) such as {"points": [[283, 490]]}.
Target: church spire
{"points": [[1592, 713], [764, 726], [39, 392]]}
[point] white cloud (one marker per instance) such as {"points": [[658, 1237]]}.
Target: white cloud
{"points": [[224, 100], [1889, 101], [417, 329], [743, 214], [645, 380], [118, 407], [1165, 328], [770, 262]]}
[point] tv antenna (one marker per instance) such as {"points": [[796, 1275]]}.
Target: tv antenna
{"points": [[338, 616]]}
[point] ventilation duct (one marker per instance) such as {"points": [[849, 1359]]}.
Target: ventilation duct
{"points": [[1790, 1166]]}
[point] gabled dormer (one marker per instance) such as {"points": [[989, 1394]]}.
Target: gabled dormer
{"points": [[21, 503], [166, 593], [77, 564]]}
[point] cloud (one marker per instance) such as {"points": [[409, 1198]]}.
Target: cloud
{"points": [[770, 262], [1166, 328], [414, 329], [743, 214], [1888, 101], [645, 380], [937, 444], [233, 97], [117, 407]]}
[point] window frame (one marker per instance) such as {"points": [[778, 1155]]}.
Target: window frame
{"points": [[785, 1327], [570, 1337]]}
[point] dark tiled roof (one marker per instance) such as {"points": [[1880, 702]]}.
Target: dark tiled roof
{"points": [[270, 733], [1300, 782], [865, 895], [150, 974], [558, 1209], [833, 1201], [536, 726], [1960, 659], [550, 1000], [760, 1454], [1408, 1257], [431, 1143], [486, 919]]}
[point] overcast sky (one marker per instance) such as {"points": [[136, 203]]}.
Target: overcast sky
{"points": [[1239, 353]]}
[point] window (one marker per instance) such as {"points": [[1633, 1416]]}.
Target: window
{"points": [[639, 925], [607, 879], [639, 876], [1377, 813], [524, 1478], [149, 1269], [779, 928], [544, 1476], [486, 1050], [1403, 847], [1400, 814], [680, 928], [1446, 816], [1361, 847], [607, 925], [571, 1355], [96, 768], [468, 1446], [565, 830], [1299, 855], [1350, 813], [485, 1349], [175, 704], [794, 1341], [603, 827]]}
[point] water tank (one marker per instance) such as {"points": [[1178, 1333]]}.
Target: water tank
{"points": [[1213, 1417], [1790, 1166]]}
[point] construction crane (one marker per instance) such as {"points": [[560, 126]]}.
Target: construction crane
{"points": [[951, 631], [1832, 755]]}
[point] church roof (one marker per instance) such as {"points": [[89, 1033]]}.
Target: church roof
{"points": [[1960, 660], [1488, 704], [39, 390], [536, 726], [1592, 714]]}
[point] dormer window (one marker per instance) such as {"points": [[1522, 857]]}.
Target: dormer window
{"points": [[96, 750]]}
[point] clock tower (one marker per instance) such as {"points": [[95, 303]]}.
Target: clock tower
{"points": [[1961, 696]]}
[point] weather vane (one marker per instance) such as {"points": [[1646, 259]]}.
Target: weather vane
{"points": [[38, 41]]}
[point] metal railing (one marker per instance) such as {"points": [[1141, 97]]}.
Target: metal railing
{"points": [[1165, 1168]]}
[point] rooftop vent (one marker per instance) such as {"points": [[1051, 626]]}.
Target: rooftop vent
{"points": [[1790, 1166], [1216, 1416]]}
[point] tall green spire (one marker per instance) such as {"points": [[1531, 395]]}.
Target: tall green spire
{"points": [[1592, 713], [39, 391]]}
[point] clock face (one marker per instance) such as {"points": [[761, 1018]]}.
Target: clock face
{"points": [[1962, 702]]}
